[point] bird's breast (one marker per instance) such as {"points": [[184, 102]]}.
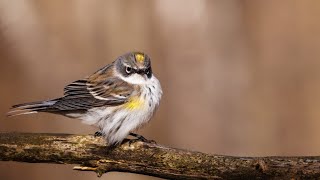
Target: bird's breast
{"points": [[135, 103]]}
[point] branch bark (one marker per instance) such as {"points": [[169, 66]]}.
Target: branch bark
{"points": [[149, 159]]}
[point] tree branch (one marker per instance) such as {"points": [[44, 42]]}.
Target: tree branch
{"points": [[149, 159]]}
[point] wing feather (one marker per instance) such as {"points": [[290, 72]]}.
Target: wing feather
{"points": [[94, 91]]}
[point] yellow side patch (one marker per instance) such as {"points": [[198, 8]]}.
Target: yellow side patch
{"points": [[139, 57], [134, 103]]}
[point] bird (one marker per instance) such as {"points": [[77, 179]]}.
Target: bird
{"points": [[118, 99]]}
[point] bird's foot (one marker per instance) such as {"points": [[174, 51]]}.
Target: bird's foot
{"points": [[140, 138], [98, 134]]}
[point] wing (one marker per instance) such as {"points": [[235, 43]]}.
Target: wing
{"points": [[112, 89], [94, 91]]}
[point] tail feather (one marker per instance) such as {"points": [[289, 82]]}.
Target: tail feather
{"points": [[29, 108]]}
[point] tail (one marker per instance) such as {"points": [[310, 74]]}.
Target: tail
{"points": [[29, 108]]}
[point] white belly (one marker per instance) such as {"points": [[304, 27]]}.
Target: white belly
{"points": [[117, 122]]}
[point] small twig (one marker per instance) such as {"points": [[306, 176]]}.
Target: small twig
{"points": [[149, 159]]}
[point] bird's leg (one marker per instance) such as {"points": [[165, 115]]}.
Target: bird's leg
{"points": [[98, 134], [141, 138]]}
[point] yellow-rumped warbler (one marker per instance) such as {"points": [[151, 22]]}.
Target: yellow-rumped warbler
{"points": [[118, 99]]}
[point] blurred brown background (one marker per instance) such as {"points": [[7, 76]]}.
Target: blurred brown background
{"points": [[239, 77]]}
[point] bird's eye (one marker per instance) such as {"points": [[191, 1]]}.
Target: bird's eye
{"points": [[128, 70]]}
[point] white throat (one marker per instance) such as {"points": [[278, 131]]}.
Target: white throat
{"points": [[137, 79]]}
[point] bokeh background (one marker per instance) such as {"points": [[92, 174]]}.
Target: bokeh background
{"points": [[239, 77]]}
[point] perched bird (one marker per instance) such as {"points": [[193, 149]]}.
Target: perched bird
{"points": [[118, 99]]}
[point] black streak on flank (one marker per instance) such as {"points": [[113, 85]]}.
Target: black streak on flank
{"points": [[151, 100], [119, 126]]}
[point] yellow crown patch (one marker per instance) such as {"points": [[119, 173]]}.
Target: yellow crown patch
{"points": [[139, 57]]}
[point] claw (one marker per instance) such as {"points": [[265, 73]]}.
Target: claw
{"points": [[141, 138], [98, 134]]}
